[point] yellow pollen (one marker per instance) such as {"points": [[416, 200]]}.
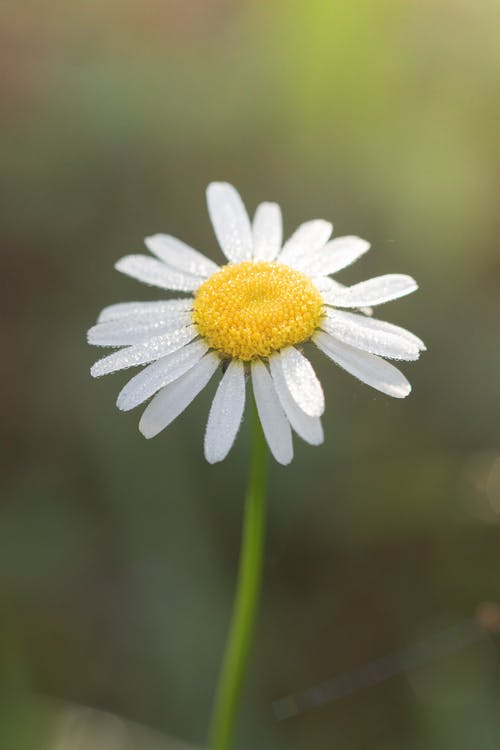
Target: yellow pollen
{"points": [[249, 310]]}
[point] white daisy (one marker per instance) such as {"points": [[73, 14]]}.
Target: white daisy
{"points": [[251, 316]]}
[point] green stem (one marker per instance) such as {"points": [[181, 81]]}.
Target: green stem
{"points": [[227, 697]]}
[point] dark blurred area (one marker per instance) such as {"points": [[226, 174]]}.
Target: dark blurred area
{"points": [[118, 555]]}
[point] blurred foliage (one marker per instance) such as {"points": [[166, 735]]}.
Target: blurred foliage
{"points": [[118, 555]]}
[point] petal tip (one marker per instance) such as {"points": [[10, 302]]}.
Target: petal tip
{"points": [[412, 284], [314, 410], [146, 430], [122, 404], [212, 460], [122, 264], [150, 240], [402, 392], [218, 185], [95, 370]]}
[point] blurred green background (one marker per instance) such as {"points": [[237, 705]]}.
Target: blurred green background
{"points": [[118, 555]]}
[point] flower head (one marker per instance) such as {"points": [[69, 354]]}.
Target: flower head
{"points": [[251, 316]]}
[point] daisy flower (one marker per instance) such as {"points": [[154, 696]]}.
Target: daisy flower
{"points": [[251, 316]]}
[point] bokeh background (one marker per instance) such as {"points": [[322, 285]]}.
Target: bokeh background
{"points": [[118, 555]]}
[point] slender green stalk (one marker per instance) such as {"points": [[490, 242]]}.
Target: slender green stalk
{"points": [[227, 697]]}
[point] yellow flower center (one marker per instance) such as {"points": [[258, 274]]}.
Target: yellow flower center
{"points": [[249, 310]]}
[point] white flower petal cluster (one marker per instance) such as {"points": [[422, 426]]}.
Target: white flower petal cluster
{"points": [[164, 337]]}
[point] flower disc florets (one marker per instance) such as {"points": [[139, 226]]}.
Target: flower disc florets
{"points": [[252, 309]]}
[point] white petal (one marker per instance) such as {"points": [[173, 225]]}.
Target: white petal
{"points": [[154, 272], [371, 335], [308, 238], [375, 324], [180, 256], [374, 291], [225, 413], [162, 308], [274, 422], [131, 330], [148, 351], [308, 428], [367, 367], [230, 221], [267, 231], [175, 397], [328, 287], [334, 256], [302, 382], [159, 374]]}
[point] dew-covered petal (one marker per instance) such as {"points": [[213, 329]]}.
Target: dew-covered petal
{"points": [[226, 413], [267, 231], [133, 330], [159, 374], [306, 427], [180, 256], [147, 351], [334, 256], [141, 310], [307, 238], [369, 368], [302, 382], [175, 397], [375, 324], [373, 292], [372, 335], [327, 286], [155, 273], [230, 221], [272, 417]]}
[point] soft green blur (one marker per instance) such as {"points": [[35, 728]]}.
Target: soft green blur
{"points": [[118, 555]]}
